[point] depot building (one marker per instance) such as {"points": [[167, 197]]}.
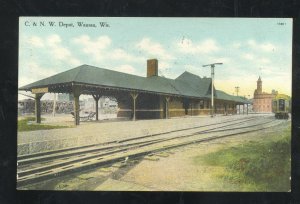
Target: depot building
{"points": [[150, 97]]}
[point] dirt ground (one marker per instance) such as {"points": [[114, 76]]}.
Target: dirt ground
{"points": [[177, 171]]}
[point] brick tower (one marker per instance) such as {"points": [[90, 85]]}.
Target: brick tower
{"points": [[259, 86]]}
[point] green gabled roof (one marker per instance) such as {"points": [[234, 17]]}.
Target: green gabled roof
{"points": [[224, 96], [99, 76], [187, 84], [63, 77], [199, 85], [90, 75], [243, 100]]}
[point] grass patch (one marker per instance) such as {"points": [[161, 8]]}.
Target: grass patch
{"points": [[27, 124], [256, 166]]}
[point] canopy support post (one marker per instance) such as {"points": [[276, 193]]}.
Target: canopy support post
{"points": [[134, 96], [96, 98], [37, 98], [167, 106], [76, 94]]}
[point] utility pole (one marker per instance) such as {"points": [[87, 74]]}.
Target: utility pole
{"points": [[237, 90], [212, 66]]}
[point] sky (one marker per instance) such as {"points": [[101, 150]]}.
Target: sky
{"points": [[247, 47]]}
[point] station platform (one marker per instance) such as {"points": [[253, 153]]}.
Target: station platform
{"points": [[103, 131]]}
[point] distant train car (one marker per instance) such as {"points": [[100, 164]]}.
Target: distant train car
{"points": [[281, 106]]}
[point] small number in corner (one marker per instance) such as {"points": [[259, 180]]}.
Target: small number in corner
{"points": [[281, 23]]}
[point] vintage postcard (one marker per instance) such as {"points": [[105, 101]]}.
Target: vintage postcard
{"points": [[154, 104]]}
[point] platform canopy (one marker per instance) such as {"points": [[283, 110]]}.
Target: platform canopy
{"points": [[97, 82], [92, 79]]}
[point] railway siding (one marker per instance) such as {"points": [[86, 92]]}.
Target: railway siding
{"points": [[44, 167], [93, 133]]}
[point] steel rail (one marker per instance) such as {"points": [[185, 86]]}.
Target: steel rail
{"points": [[26, 159], [38, 176], [118, 145]]}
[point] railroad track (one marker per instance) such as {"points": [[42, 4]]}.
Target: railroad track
{"points": [[92, 147], [38, 157], [44, 166]]}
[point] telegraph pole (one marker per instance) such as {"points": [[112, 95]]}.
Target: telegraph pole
{"points": [[212, 66], [237, 88]]}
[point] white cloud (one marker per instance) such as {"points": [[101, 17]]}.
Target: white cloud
{"points": [[208, 46], [248, 56], [255, 60], [204, 47], [59, 52], [120, 54], [164, 69], [32, 71], [35, 41], [153, 49], [266, 71], [236, 45], [93, 47], [23, 80], [163, 65], [264, 60], [100, 50], [74, 62], [35, 68], [200, 71], [53, 40], [266, 46], [126, 69], [274, 71], [251, 43]]}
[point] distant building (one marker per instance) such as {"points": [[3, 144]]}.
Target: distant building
{"points": [[25, 106], [65, 97], [262, 101], [108, 102]]}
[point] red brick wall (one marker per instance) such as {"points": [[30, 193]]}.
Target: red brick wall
{"points": [[263, 102]]}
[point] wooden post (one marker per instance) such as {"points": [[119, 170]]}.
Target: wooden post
{"points": [[167, 107], [76, 93], [76, 110], [97, 117], [96, 98], [234, 108], [38, 97], [134, 96]]}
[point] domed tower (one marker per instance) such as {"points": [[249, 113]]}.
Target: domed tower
{"points": [[259, 85]]}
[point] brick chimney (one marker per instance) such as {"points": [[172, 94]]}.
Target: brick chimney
{"points": [[152, 67]]}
